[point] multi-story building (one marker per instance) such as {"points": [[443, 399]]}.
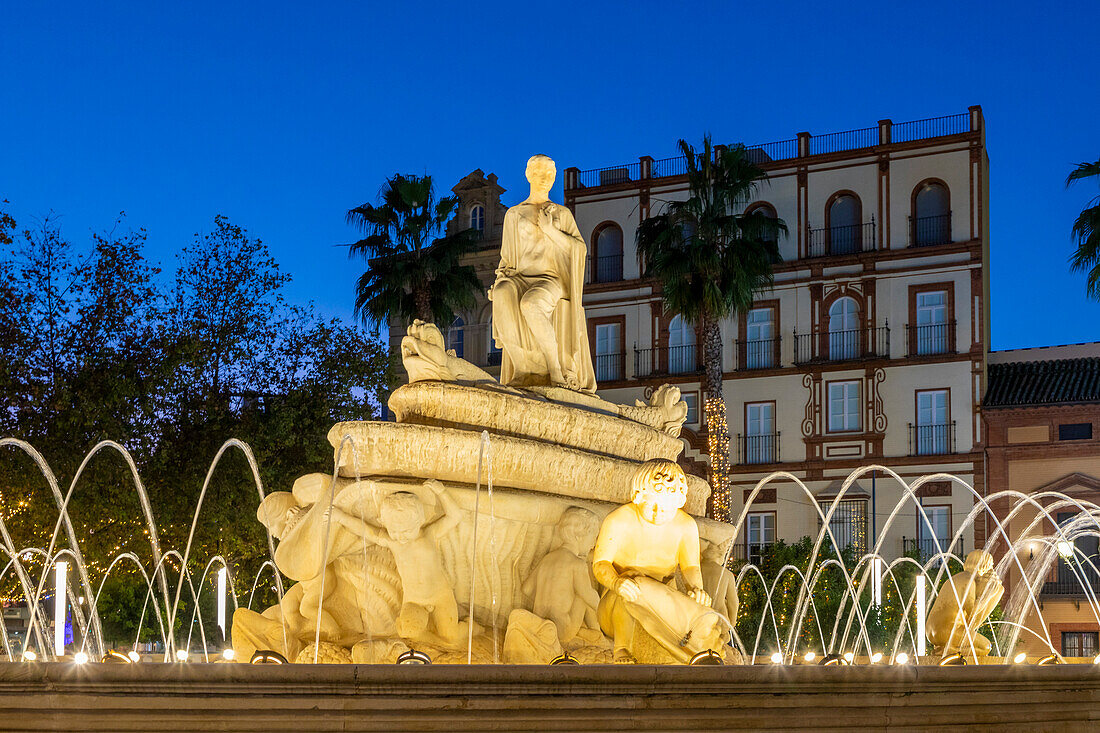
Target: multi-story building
{"points": [[870, 347], [1042, 427]]}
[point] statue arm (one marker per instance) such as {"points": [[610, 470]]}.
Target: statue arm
{"points": [[582, 586], [359, 527], [452, 515], [688, 559]]}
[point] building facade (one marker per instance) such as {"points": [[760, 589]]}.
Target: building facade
{"points": [[1042, 426]]}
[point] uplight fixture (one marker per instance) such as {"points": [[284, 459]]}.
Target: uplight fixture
{"points": [[707, 657], [1065, 549], [810, 657], [848, 657], [1022, 657], [1049, 660], [831, 659], [228, 654], [80, 658], [113, 657], [181, 655], [901, 658], [564, 658], [414, 657], [1097, 660], [777, 658], [30, 656], [267, 656], [134, 656], [876, 657], [953, 660]]}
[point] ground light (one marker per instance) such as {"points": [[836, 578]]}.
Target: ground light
{"points": [[706, 657], [414, 657], [181, 655], [113, 657], [564, 658], [848, 657], [134, 656], [876, 657], [901, 658], [831, 659], [953, 660], [267, 656], [1020, 658], [1097, 660], [1049, 660], [80, 658], [228, 654], [30, 656], [1065, 549], [777, 658], [810, 657]]}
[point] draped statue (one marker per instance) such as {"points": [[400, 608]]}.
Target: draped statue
{"points": [[538, 316]]}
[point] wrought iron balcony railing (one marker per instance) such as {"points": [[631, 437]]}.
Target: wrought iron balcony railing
{"points": [[848, 345], [925, 547], [757, 353], [753, 449], [840, 240], [667, 360], [605, 269], [926, 231], [753, 552], [610, 367], [932, 338], [932, 440]]}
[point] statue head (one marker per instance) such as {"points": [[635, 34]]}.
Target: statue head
{"points": [[659, 489], [577, 529], [711, 551], [279, 512], [978, 562], [402, 516], [541, 172]]}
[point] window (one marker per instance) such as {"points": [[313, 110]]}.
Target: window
{"points": [[1080, 643], [933, 431], [494, 350], [1073, 574], [608, 255], [769, 212], [681, 347], [843, 407], [848, 525], [931, 327], [759, 534], [760, 338], [609, 356], [845, 228], [477, 217], [844, 329], [692, 400], [456, 336], [1075, 431], [759, 432], [931, 220], [939, 517]]}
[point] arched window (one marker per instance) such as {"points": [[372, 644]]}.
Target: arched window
{"points": [[681, 346], [931, 219], [763, 209], [477, 217], [844, 329], [845, 226], [456, 336], [607, 255]]}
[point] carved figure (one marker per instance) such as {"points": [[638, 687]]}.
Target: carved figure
{"points": [[665, 411], [425, 356], [717, 577], [429, 612], [538, 317], [561, 587], [962, 605], [639, 548]]}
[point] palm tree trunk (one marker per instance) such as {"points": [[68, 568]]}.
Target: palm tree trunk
{"points": [[424, 306], [714, 412]]}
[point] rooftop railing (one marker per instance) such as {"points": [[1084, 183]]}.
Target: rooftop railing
{"points": [[804, 145]]}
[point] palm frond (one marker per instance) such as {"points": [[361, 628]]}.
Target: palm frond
{"points": [[1082, 171]]}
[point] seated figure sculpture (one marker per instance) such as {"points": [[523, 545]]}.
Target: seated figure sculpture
{"points": [[639, 548], [962, 605], [561, 588], [538, 317], [429, 611], [720, 580]]}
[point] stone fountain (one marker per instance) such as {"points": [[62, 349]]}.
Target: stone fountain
{"points": [[467, 528]]}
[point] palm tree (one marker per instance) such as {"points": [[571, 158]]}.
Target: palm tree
{"points": [[709, 259], [1086, 232], [413, 271]]}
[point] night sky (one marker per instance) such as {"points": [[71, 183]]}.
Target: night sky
{"points": [[284, 115]]}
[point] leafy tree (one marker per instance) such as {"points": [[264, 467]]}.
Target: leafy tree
{"points": [[412, 270], [709, 259], [1086, 231]]}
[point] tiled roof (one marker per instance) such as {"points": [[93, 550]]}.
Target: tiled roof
{"points": [[1055, 382]]}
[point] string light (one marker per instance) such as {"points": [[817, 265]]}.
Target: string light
{"points": [[718, 445]]}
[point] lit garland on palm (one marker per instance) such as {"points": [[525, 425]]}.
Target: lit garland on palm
{"points": [[718, 445]]}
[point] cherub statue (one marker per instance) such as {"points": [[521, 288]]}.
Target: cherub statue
{"points": [[429, 611], [561, 587], [962, 605], [722, 582], [639, 548]]}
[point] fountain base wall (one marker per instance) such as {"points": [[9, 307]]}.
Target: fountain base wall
{"points": [[167, 697]]}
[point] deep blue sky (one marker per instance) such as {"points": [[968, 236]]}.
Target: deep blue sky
{"points": [[283, 115]]}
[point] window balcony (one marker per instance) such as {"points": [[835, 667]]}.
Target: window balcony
{"points": [[1066, 583], [838, 346], [840, 240], [928, 231], [753, 552], [757, 353], [667, 360], [933, 338], [606, 269], [610, 367], [925, 547], [754, 449], [932, 440]]}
